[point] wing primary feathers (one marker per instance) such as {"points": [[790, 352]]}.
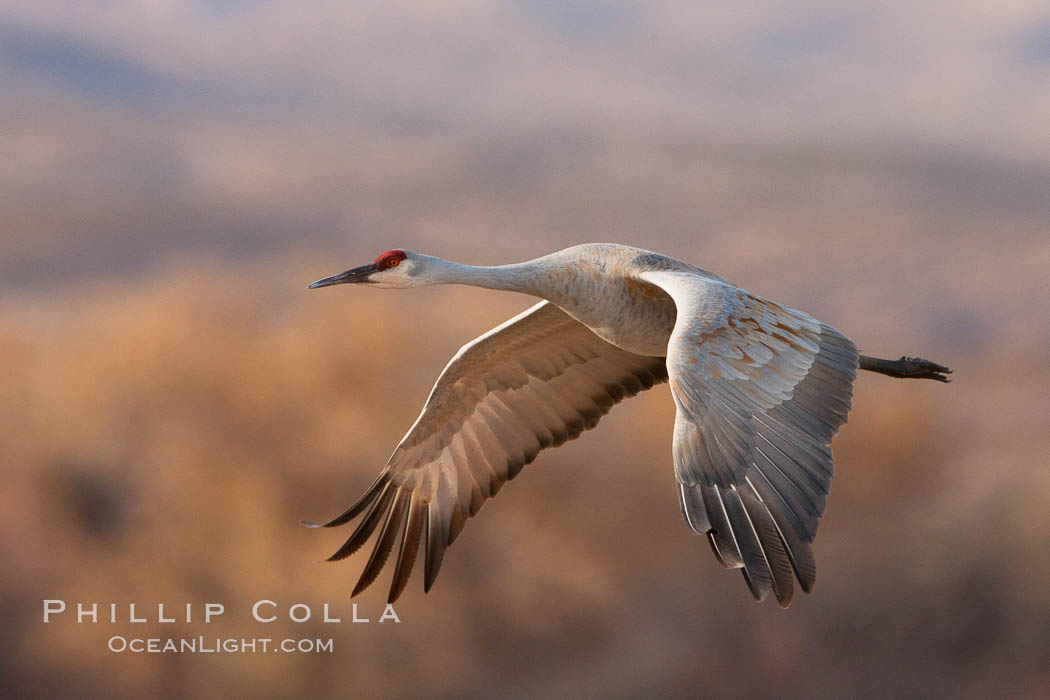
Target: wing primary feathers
{"points": [[456, 524], [356, 509], [773, 545], [759, 576], [721, 534], [693, 509], [800, 500], [799, 551], [385, 542], [366, 526], [436, 527], [417, 510]]}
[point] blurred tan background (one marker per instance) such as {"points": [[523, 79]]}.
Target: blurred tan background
{"points": [[173, 173]]}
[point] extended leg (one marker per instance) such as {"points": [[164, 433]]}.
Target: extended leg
{"points": [[906, 368]]}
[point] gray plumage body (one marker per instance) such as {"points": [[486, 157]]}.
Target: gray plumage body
{"points": [[597, 284]]}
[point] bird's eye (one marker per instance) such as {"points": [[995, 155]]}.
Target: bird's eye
{"points": [[394, 262]]}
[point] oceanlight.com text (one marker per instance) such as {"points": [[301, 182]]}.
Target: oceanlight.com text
{"points": [[218, 645]]}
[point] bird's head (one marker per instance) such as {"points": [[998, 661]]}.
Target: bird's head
{"points": [[394, 269]]}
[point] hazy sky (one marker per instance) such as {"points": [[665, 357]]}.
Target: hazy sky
{"points": [[135, 130]]}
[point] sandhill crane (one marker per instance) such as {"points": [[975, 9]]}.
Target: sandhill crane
{"points": [[760, 390]]}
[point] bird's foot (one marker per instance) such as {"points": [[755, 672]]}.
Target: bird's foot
{"points": [[919, 368], [906, 368]]}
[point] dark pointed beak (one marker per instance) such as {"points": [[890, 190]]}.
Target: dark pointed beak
{"points": [[358, 275]]}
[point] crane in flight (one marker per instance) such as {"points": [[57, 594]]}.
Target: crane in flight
{"points": [[759, 389]]}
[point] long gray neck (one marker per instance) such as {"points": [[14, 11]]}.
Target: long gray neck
{"points": [[534, 277]]}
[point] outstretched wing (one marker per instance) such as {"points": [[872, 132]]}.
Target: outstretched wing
{"points": [[760, 390], [536, 381]]}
